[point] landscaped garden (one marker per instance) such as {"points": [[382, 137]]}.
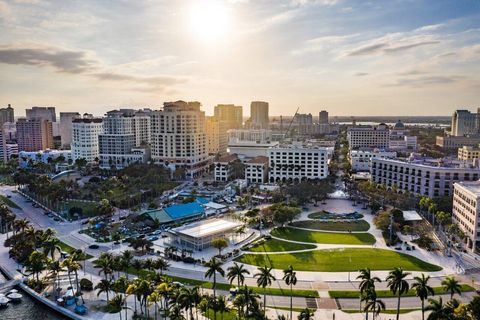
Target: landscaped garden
{"points": [[323, 237], [326, 215], [354, 225], [275, 245], [340, 260]]}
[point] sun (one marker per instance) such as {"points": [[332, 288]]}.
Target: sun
{"points": [[209, 20]]}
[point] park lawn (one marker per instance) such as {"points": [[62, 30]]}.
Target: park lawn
{"points": [[69, 249], [226, 286], [230, 315], [89, 209], [322, 237], [340, 260], [9, 202], [354, 225], [347, 294], [275, 245]]}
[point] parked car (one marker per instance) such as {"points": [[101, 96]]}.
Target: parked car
{"points": [[93, 246]]}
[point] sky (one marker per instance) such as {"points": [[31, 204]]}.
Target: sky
{"points": [[350, 57]]}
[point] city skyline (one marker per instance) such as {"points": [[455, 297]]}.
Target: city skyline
{"points": [[372, 58]]}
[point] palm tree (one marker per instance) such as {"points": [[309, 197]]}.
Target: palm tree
{"points": [[104, 286], [155, 298], [372, 303], [137, 264], [214, 266], [117, 303], [127, 257], [422, 290], [55, 268], [290, 278], [132, 290], [221, 306], [105, 264], [36, 263], [161, 264], [398, 285], [265, 278], [306, 314], [186, 301], [237, 271], [451, 285], [439, 311], [367, 283], [175, 313]]}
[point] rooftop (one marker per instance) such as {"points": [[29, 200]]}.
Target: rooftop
{"points": [[472, 186], [207, 228], [259, 159], [228, 158]]}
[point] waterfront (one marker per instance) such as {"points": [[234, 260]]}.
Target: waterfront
{"points": [[27, 309]]}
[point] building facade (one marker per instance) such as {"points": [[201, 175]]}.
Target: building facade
{"points": [[323, 117], [85, 133], [223, 167], [44, 113], [231, 114], [466, 211], [259, 118], [467, 153], [369, 137], [360, 160], [66, 127], [296, 163], [179, 137], [453, 142], [7, 115], [34, 134], [425, 177], [464, 123], [217, 139], [256, 170]]}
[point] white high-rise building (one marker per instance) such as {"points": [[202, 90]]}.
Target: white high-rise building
{"points": [[179, 137], [66, 125], [466, 211], [369, 137], [85, 132], [3, 146], [464, 123], [259, 115], [295, 163]]}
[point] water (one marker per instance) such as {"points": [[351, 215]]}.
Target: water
{"points": [[27, 309]]}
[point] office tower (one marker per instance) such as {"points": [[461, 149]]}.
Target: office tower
{"points": [[323, 117], [217, 139], [259, 115], [142, 127], [34, 134], [179, 137], [85, 132], [369, 137], [231, 114], [464, 123], [7, 115], [66, 125], [304, 123], [3, 147], [466, 211], [44, 113]]}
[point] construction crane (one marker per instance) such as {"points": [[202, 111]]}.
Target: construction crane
{"points": [[290, 124]]}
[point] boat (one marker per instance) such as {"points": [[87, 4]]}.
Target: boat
{"points": [[3, 301]]}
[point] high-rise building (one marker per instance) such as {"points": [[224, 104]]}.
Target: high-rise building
{"points": [[34, 134], [3, 147], [466, 211], [369, 137], [231, 114], [259, 115], [66, 125], [323, 117], [217, 139], [7, 115], [304, 123], [465, 122], [85, 132], [179, 137], [44, 113]]}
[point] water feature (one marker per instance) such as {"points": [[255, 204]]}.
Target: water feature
{"points": [[28, 308]]}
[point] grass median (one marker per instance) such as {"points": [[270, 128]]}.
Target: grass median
{"points": [[9, 202], [275, 245], [354, 225], [323, 237], [353, 294], [340, 260]]}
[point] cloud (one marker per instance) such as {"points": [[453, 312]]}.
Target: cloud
{"points": [[324, 43], [5, 11], [61, 60], [317, 2], [367, 50], [424, 81], [431, 27], [410, 46], [361, 74], [80, 62]]}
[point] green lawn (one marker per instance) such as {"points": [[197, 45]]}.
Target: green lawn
{"points": [[226, 287], [9, 202], [65, 247], [275, 245], [323, 237], [340, 260], [354, 225], [231, 315]]}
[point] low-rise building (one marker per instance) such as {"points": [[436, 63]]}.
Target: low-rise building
{"points": [[251, 149], [467, 153], [43, 156], [466, 211], [454, 142], [224, 167], [360, 159], [295, 163], [422, 176], [256, 170], [369, 137]]}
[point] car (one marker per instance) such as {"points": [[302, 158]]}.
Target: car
{"points": [[9, 196], [93, 246], [56, 219], [46, 213], [152, 238], [123, 218], [178, 284]]}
